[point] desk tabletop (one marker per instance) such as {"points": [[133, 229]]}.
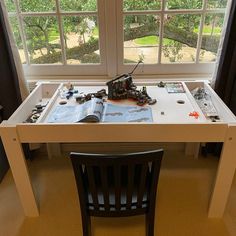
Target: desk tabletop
{"points": [[170, 108]]}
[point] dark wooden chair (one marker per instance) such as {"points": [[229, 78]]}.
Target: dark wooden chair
{"points": [[117, 185]]}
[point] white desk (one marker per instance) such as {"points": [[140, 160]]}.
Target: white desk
{"points": [[175, 126]]}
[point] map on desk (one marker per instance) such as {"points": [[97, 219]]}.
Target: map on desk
{"points": [[96, 110]]}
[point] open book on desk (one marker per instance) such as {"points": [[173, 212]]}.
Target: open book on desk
{"points": [[95, 110]]}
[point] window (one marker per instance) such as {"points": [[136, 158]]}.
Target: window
{"points": [[104, 37], [170, 36], [59, 37]]}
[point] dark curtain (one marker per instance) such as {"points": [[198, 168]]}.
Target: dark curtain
{"points": [[225, 85], [10, 97]]}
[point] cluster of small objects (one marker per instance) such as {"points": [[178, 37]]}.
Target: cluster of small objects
{"points": [[86, 97], [200, 93], [35, 114], [123, 87], [71, 91], [141, 96], [205, 103]]}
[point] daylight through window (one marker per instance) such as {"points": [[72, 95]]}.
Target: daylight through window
{"points": [[169, 36]]}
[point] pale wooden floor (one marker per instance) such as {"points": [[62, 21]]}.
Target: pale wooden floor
{"points": [[184, 190]]}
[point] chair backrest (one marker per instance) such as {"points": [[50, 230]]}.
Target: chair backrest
{"points": [[117, 185]]}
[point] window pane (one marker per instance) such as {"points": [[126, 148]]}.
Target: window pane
{"points": [[184, 4], [10, 5], [211, 37], [16, 33], [132, 5], [37, 5], [216, 4], [43, 41], [180, 38], [141, 38], [78, 5], [81, 39]]}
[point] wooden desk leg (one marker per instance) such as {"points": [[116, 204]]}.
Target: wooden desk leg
{"points": [[53, 150], [192, 149], [16, 158], [225, 174]]}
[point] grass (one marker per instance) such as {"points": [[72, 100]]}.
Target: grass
{"points": [[151, 40], [53, 35], [208, 28], [148, 40]]}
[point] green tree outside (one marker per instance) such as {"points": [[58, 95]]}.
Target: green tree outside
{"points": [[180, 30]]}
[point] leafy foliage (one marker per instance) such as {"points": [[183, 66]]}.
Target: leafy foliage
{"points": [[217, 3], [37, 6], [10, 5], [130, 5], [172, 51], [184, 4], [43, 37], [38, 30]]}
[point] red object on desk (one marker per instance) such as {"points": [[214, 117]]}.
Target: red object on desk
{"points": [[195, 114]]}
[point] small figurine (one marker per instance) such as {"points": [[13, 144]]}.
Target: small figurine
{"points": [[70, 86], [71, 91], [161, 84]]}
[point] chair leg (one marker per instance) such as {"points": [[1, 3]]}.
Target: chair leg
{"points": [[150, 217], [86, 224]]}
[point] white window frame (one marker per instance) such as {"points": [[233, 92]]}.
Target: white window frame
{"points": [[193, 69], [110, 17], [62, 70]]}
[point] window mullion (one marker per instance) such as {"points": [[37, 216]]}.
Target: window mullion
{"points": [[22, 34], [61, 32], [112, 38], [161, 31], [199, 42], [100, 14]]}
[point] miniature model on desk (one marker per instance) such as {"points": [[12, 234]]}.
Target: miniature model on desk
{"points": [[204, 101], [123, 87], [86, 97]]}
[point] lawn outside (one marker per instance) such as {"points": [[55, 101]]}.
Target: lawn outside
{"points": [[146, 48]]}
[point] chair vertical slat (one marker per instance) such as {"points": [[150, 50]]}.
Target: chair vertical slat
{"points": [[142, 185], [104, 183], [123, 175], [155, 176], [129, 190], [92, 187], [117, 170]]}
